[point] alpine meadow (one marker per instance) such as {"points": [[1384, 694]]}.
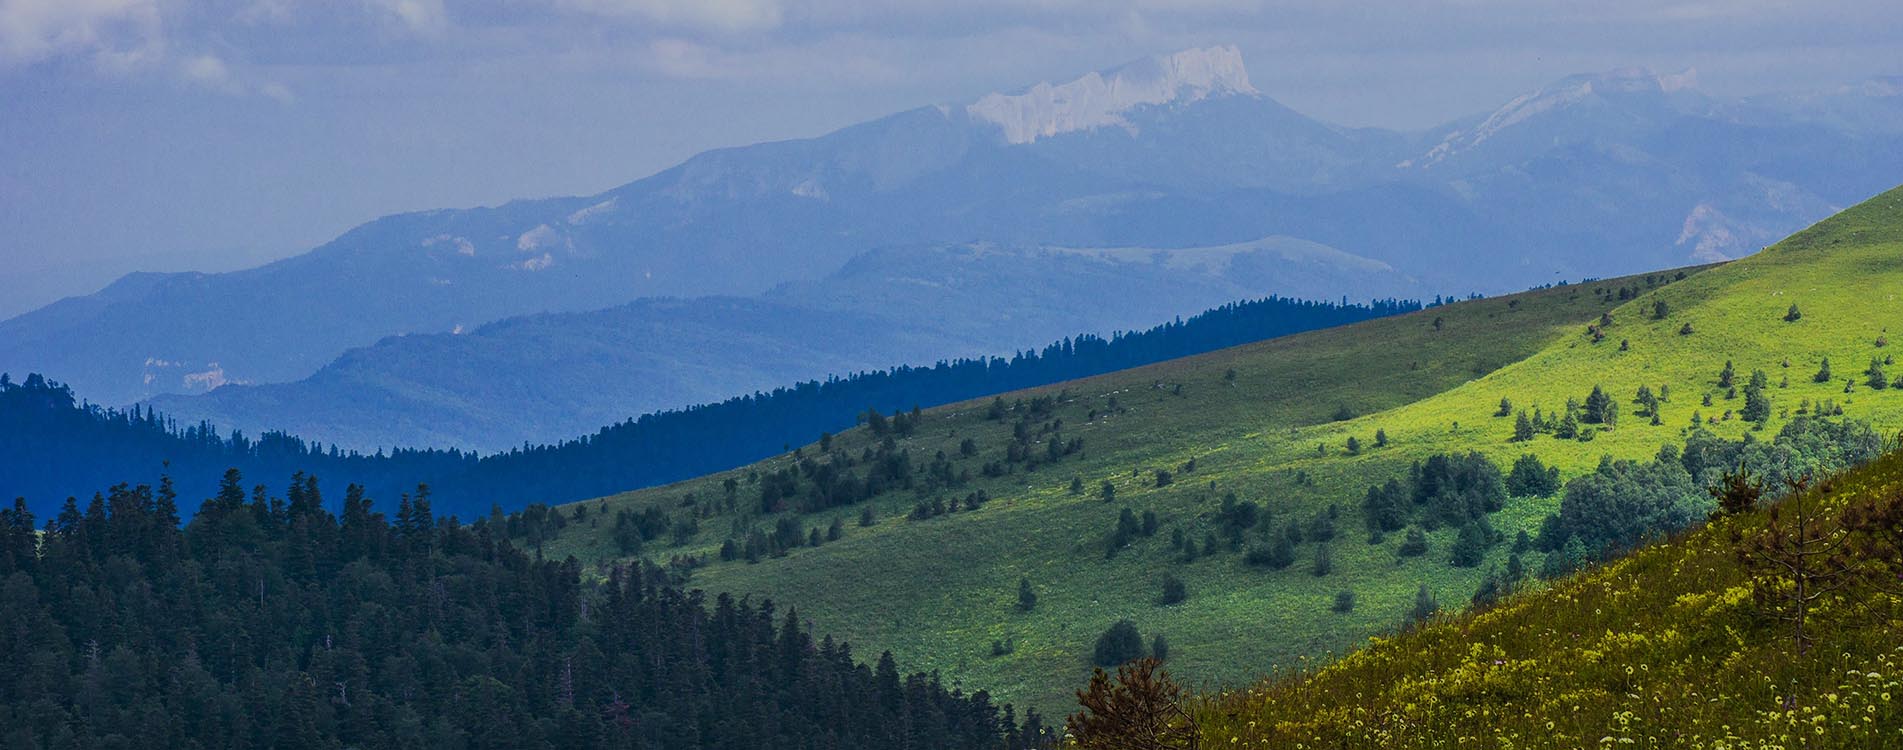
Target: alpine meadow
{"points": [[807, 375], [975, 498]]}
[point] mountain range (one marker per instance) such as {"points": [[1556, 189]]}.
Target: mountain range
{"points": [[1117, 200]]}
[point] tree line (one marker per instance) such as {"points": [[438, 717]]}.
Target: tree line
{"points": [[52, 445]]}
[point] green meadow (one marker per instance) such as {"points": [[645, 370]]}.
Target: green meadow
{"points": [[1270, 422]]}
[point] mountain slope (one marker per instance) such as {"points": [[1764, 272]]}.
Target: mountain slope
{"points": [[1429, 383], [1668, 648], [1176, 151]]}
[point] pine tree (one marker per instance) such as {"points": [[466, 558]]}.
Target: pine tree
{"points": [[1490, 589], [1792, 315], [1424, 606], [1324, 561], [1568, 428], [1415, 544], [1174, 592], [1523, 428], [1598, 406], [1470, 546], [1516, 570], [1027, 598], [1757, 402], [1823, 373]]}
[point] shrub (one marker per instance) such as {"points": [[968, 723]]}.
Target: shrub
{"points": [[1119, 644], [1344, 601], [1174, 592], [1416, 543]]}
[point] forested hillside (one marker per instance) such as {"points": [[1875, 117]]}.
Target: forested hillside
{"points": [[269, 622], [1262, 505], [52, 446]]}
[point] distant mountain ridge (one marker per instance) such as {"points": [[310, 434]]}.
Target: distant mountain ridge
{"points": [[1591, 175], [549, 377]]}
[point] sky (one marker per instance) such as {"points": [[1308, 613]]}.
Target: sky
{"points": [[210, 135]]}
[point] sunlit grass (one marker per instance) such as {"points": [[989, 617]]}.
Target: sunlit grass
{"points": [[939, 592]]}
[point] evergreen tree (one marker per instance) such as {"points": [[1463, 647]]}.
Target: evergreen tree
{"points": [[1823, 373], [1757, 402], [1119, 643], [1523, 428], [1416, 543], [1174, 592], [1424, 606], [1599, 407], [1027, 598], [1531, 478], [1875, 376], [1324, 561], [1516, 570], [1470, 546], [1792, 315], [1344, 601], [1490, 589], [1568, 428]]}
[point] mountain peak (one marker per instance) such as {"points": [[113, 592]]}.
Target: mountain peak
{"points": [[1555, 96], [1099, 99]]}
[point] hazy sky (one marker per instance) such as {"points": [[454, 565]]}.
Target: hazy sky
{"points": [[217, 134]]}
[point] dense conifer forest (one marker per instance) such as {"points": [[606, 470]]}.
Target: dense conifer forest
{"points": [[267, 621], [53, 446]]}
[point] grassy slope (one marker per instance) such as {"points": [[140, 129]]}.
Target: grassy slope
{"points": [[1665, 648], [938, 592]]}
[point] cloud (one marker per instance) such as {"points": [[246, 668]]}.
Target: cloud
{"points": [[211, 72], [425, 17], [207, 70], [277, 92], [113, 33], [728, 16]]}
